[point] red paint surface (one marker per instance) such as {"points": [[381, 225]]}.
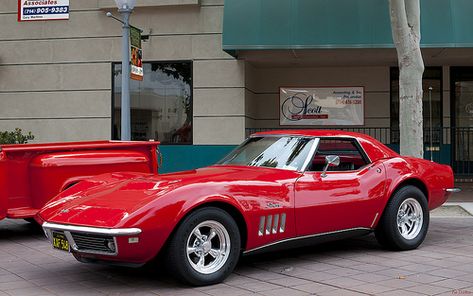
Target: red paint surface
{"points": [[3, 186], [156, 203], [32, 174], [341, 200]]}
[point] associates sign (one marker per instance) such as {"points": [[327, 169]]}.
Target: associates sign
{"points": [[321, 106], [42, 10]]}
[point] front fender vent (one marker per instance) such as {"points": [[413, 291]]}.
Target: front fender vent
{"points": [[272, 224]]}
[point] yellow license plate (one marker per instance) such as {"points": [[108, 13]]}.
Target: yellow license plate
{"points": [[60, 241]]}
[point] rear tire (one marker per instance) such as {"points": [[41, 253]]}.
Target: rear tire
{"points": [[405, 220], [205, 248]]}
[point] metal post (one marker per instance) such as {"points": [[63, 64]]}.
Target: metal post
{"points": [[125, 102], [430, 111]]}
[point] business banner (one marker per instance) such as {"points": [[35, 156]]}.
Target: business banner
{"points": [[43, 10], [136, 54], [321, 106]]}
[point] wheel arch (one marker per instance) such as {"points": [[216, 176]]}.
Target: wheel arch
{"points": [[235, 214], [231, 209], [410, 181], [387, 228]]}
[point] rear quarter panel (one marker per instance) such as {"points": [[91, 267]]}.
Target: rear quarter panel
{"points": [[435, 177]]}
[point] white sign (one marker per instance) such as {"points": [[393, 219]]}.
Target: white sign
{"points": [[321, 106], [41, 10]]}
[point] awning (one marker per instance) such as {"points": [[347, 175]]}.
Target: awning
{"points": [[311, 24]]}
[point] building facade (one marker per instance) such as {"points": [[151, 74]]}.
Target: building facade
{"points": [[214, 69]]}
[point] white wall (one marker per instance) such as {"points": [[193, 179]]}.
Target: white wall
{"points": [[262, 97]]}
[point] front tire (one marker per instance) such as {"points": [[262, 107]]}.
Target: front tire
{"points": [[205, 248], [405, 221]]}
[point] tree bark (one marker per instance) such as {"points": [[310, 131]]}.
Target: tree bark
{"points": [[405, 25]]}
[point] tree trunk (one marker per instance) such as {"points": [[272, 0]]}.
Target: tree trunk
{"points": [[405, 24]]}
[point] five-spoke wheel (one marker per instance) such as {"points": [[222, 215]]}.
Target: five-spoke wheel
{"points": [[205, 248], [410, 218], [405, 220], [208, 247]]}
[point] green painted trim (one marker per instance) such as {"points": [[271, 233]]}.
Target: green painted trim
{"points": [[187, 157]]}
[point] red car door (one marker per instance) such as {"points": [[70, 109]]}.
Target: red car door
{"points": [[347, 197]]}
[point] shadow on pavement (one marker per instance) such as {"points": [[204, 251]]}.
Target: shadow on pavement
{"points": [[16, 229]]}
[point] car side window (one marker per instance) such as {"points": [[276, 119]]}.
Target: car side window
{"points": [[351, 157]]}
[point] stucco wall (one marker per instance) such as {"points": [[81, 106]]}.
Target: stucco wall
{"points": [[55, 76]]}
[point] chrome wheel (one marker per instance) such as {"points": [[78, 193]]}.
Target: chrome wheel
{"points": [[410, 218], [208, 247]]}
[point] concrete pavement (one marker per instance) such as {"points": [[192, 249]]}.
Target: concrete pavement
{"points": [[442, 266]]}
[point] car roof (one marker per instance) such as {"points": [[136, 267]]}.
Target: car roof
{"points": [[374, 149], [312, 133]]}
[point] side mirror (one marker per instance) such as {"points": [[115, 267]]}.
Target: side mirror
{"points": [[330, 160]]}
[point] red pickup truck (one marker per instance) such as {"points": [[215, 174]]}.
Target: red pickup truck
{"points": [[32, 174]]}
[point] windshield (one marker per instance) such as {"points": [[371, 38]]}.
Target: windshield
{"points": [[285, 152]]}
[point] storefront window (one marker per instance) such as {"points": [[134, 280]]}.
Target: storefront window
{"points": [[161, 104], [432, 78]]}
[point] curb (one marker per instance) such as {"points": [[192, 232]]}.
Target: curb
{"points": [[467, 206]]}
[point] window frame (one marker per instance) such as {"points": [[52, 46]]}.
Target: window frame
{"points": [[357, 145], [191, 85], [392, 74], [304, 166]]}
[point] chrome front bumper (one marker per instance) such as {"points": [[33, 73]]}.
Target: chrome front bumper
{"points": [[90, 240]]}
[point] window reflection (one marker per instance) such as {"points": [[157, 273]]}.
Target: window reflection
{"points": [[275, 152], [161, 104]]}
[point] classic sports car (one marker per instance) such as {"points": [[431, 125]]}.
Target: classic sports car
{"points": [[278, 189]]}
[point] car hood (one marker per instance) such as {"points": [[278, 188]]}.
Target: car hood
{"points": [[108, 200]]}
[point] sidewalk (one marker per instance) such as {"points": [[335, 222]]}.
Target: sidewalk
{"points": [[463, 199], [443, 265], [466, 195]]}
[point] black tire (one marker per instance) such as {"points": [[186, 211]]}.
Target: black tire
{"points": [[33, 223], [177, 257], [31, 220], [388, 233]]}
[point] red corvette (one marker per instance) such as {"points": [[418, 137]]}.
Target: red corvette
{"points": [[276, 190]]}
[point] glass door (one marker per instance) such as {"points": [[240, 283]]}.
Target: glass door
{"points": [[462, 119], [432, 110]]}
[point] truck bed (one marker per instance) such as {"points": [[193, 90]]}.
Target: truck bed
{"points": [[32, 174]]}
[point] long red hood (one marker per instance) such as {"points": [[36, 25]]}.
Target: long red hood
{"points": [[107, 200]]}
